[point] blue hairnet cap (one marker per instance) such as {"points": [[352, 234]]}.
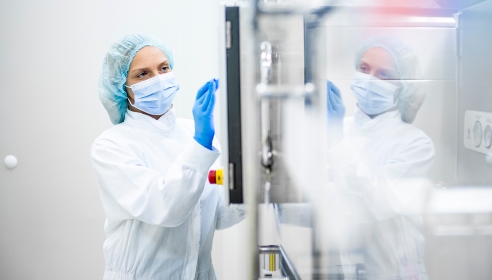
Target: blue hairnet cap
{"points": [[115, 68], [412, 94]]}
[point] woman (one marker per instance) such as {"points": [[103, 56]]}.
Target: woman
{"points": [[381, 164], [151, 168]]}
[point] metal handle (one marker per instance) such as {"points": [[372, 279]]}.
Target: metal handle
{"points": [[266, 62], [266, 72]]}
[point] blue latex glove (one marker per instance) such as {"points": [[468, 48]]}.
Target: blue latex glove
{"points": [[336, 113], [203, 110], [336, 109]]}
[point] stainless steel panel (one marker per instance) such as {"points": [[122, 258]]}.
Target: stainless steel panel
{"points": [[286, 35], [475, 91]]}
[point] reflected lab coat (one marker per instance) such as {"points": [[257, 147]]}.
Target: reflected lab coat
{"points": [[161, 212], [380, 169]]}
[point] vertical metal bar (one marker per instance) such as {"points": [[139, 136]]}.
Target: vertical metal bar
{"points": [[315, 72], [250, 147], [234, 105], [459, 79]]}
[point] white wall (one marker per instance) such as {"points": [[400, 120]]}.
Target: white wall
{"points": [[51, 54]]}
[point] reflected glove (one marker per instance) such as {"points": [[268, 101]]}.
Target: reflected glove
{"points": [[336, 113], [203, 110]]}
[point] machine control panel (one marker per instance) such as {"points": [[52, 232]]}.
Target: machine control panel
{"points": [[478, 131]]}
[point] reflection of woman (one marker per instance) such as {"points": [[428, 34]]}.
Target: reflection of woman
{"points": [[382, 160], [151, 168]]}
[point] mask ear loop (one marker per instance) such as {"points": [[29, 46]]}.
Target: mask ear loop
{"points": [[128, 99], [129, 102], [396, 95], [396, 98]]}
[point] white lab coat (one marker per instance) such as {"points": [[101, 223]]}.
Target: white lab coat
{"points": [[379, 171], [161, 212]]}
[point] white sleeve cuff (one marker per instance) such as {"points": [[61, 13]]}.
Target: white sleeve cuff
{"points": [[199, 158]]}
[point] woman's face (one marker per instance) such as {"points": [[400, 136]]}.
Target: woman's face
{"points": [[378, 63], [147, 63]]}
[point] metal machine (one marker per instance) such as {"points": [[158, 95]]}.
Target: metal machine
{"points": [[277, 58]]}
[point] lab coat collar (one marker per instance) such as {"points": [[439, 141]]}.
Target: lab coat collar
{"points": [[164, 125], [364, 123]]}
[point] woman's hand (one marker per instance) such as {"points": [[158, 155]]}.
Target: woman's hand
{"points": [[336, 113], [203, 113]]}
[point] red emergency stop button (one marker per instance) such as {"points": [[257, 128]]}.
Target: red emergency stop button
{"points": [[211, 176], [216, 176]]}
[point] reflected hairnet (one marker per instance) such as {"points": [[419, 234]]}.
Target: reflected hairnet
{"points": [[412, 94], [115, 70]]}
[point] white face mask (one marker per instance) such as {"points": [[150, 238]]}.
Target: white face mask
{"points": [[155, 95], [374, 96]]}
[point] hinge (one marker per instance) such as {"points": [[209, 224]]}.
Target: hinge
{"points": [[228, 35]]}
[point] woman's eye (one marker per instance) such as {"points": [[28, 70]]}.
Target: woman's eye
{"points": [[362, 69], [165, 68], [384, 76], [141, 75]]}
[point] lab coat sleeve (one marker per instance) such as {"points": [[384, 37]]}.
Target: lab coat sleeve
{"points": [[390, 190], [158, 197], [229, 215]]}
